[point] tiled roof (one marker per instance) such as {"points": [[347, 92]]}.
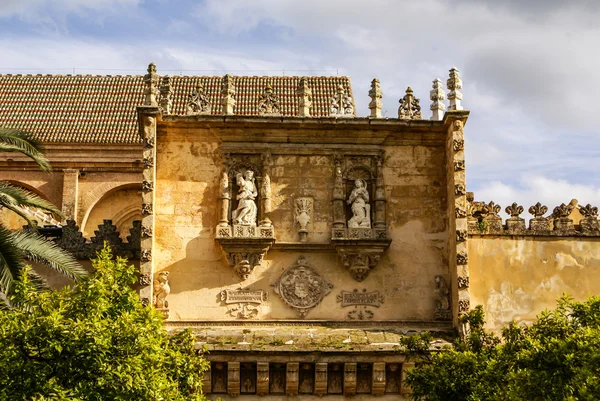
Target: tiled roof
{"points": [[101, 109]]}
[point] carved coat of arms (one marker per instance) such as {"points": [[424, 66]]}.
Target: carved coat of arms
{"points": [[302, 287]]}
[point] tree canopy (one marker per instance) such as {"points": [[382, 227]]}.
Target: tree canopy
{"points": [[555, 358], [95, 341]]}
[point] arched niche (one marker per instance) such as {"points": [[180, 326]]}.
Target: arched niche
{"points": [[350, 177]]}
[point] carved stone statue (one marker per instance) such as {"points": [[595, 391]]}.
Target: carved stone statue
{"points": [[442, 299], [246, 211], [161, 290], [361, 210]]}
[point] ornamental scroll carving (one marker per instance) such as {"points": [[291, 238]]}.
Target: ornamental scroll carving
{"points": [[361, 300], [302, 287], [244, 303]]}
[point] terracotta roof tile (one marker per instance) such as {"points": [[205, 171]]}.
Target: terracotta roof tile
{"points": [[101, 109]]}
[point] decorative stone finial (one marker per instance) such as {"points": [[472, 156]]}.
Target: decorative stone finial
{"points": [[227, 92], [341, 104], [375, 94], [437, 95], [304, 94], [409, 106], [454, 85], [166, 91], [268, 104], [151, 79], [198, 102]]}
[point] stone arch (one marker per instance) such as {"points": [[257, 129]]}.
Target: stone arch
{"points": [[90, 199], [13, 221], [30, 188]]}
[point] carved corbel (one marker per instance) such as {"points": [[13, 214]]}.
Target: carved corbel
{"points": [[378, 386]]}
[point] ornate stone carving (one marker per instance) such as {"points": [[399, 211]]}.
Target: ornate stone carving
{"points": [[360, 264], [561, 217], [460, 213], [243, 263], [146, 231], [361, 209], [166, 91], [589, 222], [361, 301], [147, 186], [227, 92], [492, 219], [459, 165], [245, 301], [302, 287], [339, 213], [454, 84], [437, 96], [458, 144], [146, 209], [375, 94], [145, 301], [268, 103], [458, 125], [461, 235], [151, 80], [539, 223], [462, 282], [459, 190], [409, 106], [148, 162], [380, 201], [464, 306], [161, 290], [304, 94], [198, 102], [303, 212], [378, 385], [462, 258], [515, 224], [146, 255], [442, 299], [145, 279], [341, 105], [246, 212]]}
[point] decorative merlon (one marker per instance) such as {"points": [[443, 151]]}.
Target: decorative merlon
{"points": [[341, 104], [437, 96], [227, 92], [375, 94], [454, 84], [409, 106], [304, 94], [198, 102], [151, 80], [268, 103], [166, 93]]}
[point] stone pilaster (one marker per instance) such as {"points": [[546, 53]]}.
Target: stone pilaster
{"points": [[406, 367], [378, 385], [262, 378], [349, 379], [147, 124], [320, 379], [206, 380], [380, 201], [339, 197], [70, 193], [265, 193], [291, 379], [233, 379]]}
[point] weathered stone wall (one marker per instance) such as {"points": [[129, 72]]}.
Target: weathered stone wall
{"points": [[516, 277], [189, 164]]}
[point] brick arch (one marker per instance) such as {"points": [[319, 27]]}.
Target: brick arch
{"points": [[30, 188], [91, 198]]}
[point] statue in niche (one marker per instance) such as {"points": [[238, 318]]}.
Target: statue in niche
{"points": [[246, 211], [361, 210]]}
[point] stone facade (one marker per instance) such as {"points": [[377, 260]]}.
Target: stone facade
{"points": [[299, 241]]}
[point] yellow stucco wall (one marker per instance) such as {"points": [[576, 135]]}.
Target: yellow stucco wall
{"points": [[186, 210], [515, 278]]}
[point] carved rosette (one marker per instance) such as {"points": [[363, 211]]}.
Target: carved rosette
{"points": [[302, 287]]}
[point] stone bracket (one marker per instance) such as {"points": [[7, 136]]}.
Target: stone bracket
{"points": [[244, 254], [360, 256]]}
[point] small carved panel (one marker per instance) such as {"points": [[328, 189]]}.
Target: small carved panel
{"points": [[393, 375], [335, 378], [248, 378], [245, 302], [364, 377], [302, 287], [277, 373], [361, 301], [219, 377], [307, 378]]}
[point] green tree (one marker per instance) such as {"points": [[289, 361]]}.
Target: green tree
{"points": [[94, 341], [555, 358], [19, 247]]}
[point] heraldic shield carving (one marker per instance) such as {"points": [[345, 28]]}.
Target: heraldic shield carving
{"points": [[302, 287]]}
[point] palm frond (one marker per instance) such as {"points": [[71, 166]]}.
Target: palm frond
{"points": [[10, 194], [11, 260], [14, 140], [36, 248]]}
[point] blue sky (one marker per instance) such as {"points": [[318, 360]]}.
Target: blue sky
{"points": [[529, 68]]}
